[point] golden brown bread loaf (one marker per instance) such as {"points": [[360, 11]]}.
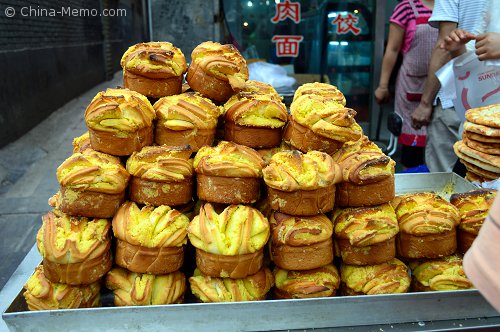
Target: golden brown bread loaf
{"points": [[320, 282], [150, 240], [473, 207], [427, 226], [446, 273], [387, 278], [120, 121], [154, 69], [229, 244], [301, 184], [212, 289], [217, 71], [187, 118], [301, 243], [92, 184], [325, 90], [366, 235], [75, 251], [255, 116], [368, 174], [42, 294], [136, 289], [228, 173], [320, 123], [161, 175]]}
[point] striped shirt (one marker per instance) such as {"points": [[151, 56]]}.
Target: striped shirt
{"points": [[466, 13], [404, 17]]}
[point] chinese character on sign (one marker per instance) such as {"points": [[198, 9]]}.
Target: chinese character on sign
{"points": [[347, 24], [287, 9], [287, 45]]}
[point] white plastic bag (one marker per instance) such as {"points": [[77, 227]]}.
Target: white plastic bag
{"points": [[470, 83], [270, 74]]}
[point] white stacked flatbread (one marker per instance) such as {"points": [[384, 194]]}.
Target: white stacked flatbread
{"points": [[479, 149]]}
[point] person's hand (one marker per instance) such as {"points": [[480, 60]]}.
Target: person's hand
{"points": [[488, 46], [421, 116], [382, 95], [456, 40]]}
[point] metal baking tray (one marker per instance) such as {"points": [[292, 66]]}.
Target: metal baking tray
{"points": [[412, 311]]}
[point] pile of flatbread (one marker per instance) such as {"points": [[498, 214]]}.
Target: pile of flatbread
{"points": [[479, 149]]}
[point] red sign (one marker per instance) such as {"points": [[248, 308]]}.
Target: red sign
{"points": [[287, 10], [287, 45], [347, 24]]}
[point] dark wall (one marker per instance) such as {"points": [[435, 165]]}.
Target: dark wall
{"points": [[47, 60]]}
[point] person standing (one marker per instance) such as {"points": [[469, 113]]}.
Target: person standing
{"points": [[434, 110], [410, 35]]}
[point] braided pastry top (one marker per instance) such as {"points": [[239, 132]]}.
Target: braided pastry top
{"points": [[320, 282], [238, 230], [363, 162], [324, 90], [251, 288], [152, 227], [42, 294], [186, 111], [161, 163], [366, 226], [386, 278], [154, 60], [137, 289], [473, 207], [425, 213], [228, 159], [446, 273], [294, 170], [93, 171], [299, 231], [66, 239]]}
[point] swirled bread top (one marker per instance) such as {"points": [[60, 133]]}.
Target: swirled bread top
{"points": [[326, 117], [251, 288], [446, 273], [324, 90], [221, 61], [42, 294], [298, 230], [187, 111], [425, 213], [119, 111], [323, 281], [386, 278], [364, 226], [152, 227], [294, 170], [161, 163], [228, 159], [93, 171], [237, 230], [363, 162], [154, 60], [257, 105], [473, 207], [134, 289], [66, 239]]}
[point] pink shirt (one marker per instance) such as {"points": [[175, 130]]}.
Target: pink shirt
{"points": [[404, 16]]}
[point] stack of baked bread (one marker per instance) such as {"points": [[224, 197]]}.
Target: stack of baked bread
{"points": [[479, 149], [289, 187]]}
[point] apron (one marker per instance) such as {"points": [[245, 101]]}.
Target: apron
{"points": [[411, 78]]}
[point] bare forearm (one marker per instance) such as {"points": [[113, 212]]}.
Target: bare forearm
{"points": [[439, 58], [388, 64]]}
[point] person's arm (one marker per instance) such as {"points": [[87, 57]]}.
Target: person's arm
{"points": [[394, 42], [488, 46], [421, 116]]}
